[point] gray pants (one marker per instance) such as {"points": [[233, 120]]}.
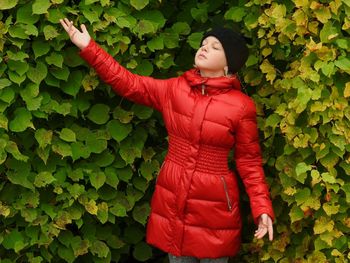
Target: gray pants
{"points": [[174, 259]]}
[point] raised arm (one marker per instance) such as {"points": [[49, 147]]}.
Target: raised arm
{"points": [[140, 89], [249, 165]]}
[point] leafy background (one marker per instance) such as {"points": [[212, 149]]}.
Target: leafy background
{"points": [[78, 163]]}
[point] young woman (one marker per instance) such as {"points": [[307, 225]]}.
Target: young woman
{"points": [[195, 207]]}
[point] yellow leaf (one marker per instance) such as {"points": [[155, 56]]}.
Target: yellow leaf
{"points": [[4, 210], [334, 5], [346, 24], [301, 3], [266, 51], [91, 207], [323, 224], [269, 70], [347, 90], [300, 18], [312, 46]]}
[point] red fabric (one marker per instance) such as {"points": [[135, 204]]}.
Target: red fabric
{"points": [[195, 206]]}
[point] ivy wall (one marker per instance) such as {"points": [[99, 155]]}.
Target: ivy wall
{"points": [[78, 163]]}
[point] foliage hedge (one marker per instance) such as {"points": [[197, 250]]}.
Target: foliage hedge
{"points": [[78, 163]]}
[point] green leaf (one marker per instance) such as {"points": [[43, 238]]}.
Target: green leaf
{"points": [[98, 179], [302, 195], [20, 173], [12, 148], [90, 15], [40, 48], [18, 56], [111, 177], [142, 252], [67, 135], [149, 169], [327, 32], [3, 121], [139, 4], [80, 150], [62, 148], [181, 28], [38, 73], [25, 15], [105, 159], [18, 66], [99, 114], [122, 115], [99, 248], [41, 6], [71, 57], [73, 84], [60, 73], [95, 145], [144, 27], [145, 68], [296, 214], [118, 130], [43, 178], [66, 253], [156, 43], [200, 14], [8, 4], [4, 83], [125, 174], [141, 212], [194, 40], [43, 137], [343, 63], [102, 212], [7, 95], [235, 13], [50, 32], [80, 247], [118, 210], [12, 239], [21, 121], [54, 59], [301, 170], [18, 31]]}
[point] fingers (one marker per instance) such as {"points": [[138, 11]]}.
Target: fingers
{"points": [[270, 230], [265, 226], [83, 29]]}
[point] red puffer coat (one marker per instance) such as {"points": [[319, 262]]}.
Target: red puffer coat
{"points": [[195, 209]]}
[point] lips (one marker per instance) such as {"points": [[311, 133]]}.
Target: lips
{"points": [[202, 55]]}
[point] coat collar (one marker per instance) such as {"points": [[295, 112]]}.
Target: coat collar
{"points": [[213, 86]]}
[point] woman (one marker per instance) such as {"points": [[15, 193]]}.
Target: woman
{"points": [[194, 210]]}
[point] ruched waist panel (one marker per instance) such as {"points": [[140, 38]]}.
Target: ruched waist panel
{"points": [[210, 159]]}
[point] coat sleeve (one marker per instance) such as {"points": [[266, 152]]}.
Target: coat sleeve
{"points": [[139, 89], [248, 160]]}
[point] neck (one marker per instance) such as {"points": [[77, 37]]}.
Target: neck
{"points": [[211, 74]]}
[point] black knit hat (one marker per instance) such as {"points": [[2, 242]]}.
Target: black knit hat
{"points": [[235, 47]]}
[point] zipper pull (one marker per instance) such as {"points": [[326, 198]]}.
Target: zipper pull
{"points": [[203, 91]]}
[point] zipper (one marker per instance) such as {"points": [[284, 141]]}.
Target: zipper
{"points": [[229, 205], [203, 89]]}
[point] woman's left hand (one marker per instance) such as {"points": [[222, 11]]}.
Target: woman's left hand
{"points": [[265, 225]]}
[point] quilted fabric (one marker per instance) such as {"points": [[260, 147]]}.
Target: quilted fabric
{"points": [[195, 206]]}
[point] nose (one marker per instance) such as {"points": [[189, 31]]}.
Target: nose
{"points": [[204, 47]]}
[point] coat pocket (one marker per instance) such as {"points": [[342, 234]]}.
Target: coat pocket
{"points": [[228, 200]]}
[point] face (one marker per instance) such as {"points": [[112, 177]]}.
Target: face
{"points": [[210, 58]]}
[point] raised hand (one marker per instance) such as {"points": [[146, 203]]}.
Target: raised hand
{"points": [[265, 225], [80, 39]]}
